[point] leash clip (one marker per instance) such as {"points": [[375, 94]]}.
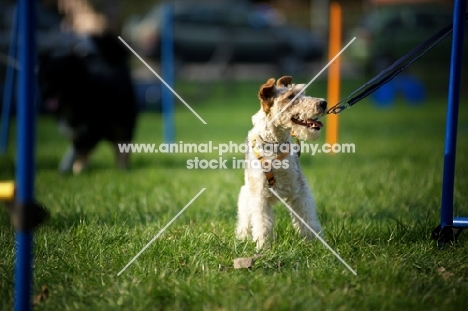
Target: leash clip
{"points": [[338, 108]]}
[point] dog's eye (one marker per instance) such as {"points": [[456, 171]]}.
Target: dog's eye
{"points": [[291, 96]]}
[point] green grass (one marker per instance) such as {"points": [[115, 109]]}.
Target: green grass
{"points": [[377, 206]]}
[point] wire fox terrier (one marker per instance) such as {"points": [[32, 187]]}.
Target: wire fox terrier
{"points": [[283, 112]]}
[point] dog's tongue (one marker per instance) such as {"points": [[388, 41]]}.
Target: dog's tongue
{"points": [[314, 123]]}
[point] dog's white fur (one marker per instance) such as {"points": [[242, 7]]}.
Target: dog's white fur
{"points": [[256, 201]]}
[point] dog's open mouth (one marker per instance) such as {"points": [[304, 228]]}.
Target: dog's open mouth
{"points": [[310, 123]]}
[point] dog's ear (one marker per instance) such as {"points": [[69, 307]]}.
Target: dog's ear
{"points": [[266, 94], [284, 81]]}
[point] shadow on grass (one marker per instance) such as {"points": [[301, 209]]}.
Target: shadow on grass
{"points": [[137, 162]]}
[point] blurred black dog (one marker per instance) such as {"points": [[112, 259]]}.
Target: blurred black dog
{"points": [[90, 89]]}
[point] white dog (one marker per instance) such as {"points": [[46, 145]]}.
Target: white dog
{"points": [[271, 162]]}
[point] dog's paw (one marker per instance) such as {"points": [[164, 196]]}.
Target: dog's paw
{"points": [[80, 165], [242, 233], [262, 244], [305, 232]]}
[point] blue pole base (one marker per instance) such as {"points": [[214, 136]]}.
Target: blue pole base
{"points": [[23, 271], [449, 233]]}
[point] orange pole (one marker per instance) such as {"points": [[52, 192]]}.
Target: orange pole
{"points": [[334, 46]]}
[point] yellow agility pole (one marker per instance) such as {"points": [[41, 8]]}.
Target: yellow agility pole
{"points": [[7, 191], [333, 97]]}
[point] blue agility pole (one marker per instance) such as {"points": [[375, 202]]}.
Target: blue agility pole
{"points": [[25, 155], [445, 232], [452, 113], [167, 66], [460, 222], [9, 84]]}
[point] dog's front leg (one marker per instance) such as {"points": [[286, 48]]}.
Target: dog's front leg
{"points": [[66, 164], [303, 204], [261, 219], [243, 214], [122, 158]]}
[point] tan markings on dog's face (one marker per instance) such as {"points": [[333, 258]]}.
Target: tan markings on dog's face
{"points": [[267, 94], [268, 91], [284, 81], [301, 115]]}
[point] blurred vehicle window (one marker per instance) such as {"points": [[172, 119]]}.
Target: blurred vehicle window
{"points": [[227, 31], [388, 32]]}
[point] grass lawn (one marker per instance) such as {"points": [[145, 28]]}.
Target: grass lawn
{"points": [[377, 206]]}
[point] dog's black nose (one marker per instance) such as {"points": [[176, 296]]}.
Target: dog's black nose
{"points": [[323, 104]]}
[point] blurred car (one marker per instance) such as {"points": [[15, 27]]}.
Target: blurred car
{"points": [[226, 32], [390, 31]]}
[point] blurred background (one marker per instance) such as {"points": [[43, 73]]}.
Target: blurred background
{"points": [[252, 40]]}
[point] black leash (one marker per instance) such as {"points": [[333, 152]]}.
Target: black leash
{"points": [[388, 74]]}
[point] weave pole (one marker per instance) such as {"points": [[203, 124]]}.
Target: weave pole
{"points": [[334, 46], [25, 155], [447, 221], [167, 67], [9, 85]]}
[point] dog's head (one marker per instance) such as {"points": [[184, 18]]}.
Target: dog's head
{"points": [[287, 106]]}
